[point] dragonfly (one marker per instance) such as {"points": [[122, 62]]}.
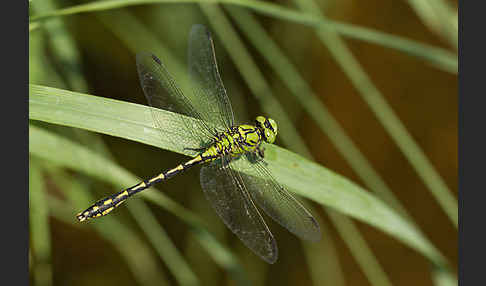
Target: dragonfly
{"points": [[231, 192]]}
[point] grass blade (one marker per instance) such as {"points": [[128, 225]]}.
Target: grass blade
{"points": [[133, 121]]}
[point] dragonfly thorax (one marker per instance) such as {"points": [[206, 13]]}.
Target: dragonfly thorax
{"points": [[249, 137], [238, 140]]}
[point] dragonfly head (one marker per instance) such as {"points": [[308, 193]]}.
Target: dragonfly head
{"points": [[268, 126]]}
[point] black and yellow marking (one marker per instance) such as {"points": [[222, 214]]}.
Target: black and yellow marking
{"points": [[108, 204], [235, 141]]}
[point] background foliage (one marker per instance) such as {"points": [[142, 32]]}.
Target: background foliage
{"points": [[365, 90]]}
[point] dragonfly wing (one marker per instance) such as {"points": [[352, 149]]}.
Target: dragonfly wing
{"points": [[278, 203], [230, 199], [162, 92], [209, 90]]}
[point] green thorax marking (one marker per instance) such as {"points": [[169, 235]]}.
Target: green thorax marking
{"points": [[238, 140]]}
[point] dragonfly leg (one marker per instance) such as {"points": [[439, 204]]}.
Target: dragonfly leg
{"points": [[255, 156], [261, 151]]}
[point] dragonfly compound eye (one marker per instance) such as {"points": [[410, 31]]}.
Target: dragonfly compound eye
{"points": [[260, 122], [273, 125], [269, 136]]}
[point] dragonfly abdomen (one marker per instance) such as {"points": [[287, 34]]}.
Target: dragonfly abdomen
{"points": [[104, 206], [108, 204]]}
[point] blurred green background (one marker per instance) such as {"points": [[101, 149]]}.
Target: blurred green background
{"points": [[374, 101]]}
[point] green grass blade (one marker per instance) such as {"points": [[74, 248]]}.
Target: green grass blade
{"points": [[439, 57], [133, 121], [69, 154], [40, 233]]}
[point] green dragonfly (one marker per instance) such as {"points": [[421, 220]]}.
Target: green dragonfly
{"points": [[223, 143]]}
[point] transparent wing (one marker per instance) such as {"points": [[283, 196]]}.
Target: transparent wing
{"points": [[230, 199], [162, 92], [277, 202], [209, 90]]}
